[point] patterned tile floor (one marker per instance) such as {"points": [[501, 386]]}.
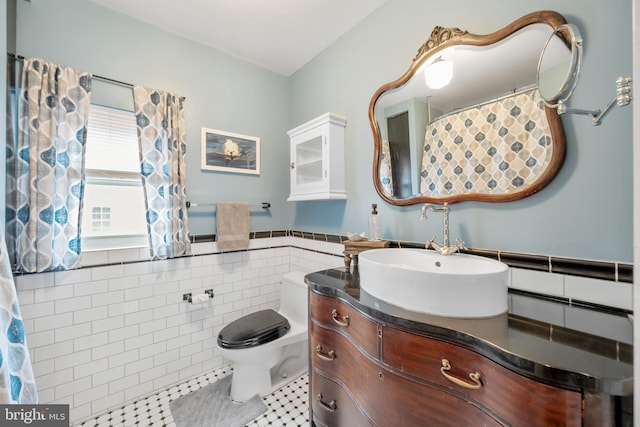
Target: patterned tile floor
{"points": [[286, 407]]}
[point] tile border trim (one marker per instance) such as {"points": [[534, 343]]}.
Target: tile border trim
{"points": [[603, 270]]}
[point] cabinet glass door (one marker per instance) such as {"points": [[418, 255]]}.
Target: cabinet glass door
{"points": [[308, 161]]}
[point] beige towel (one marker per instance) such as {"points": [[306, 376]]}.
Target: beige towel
{"points": [[232, 224]]}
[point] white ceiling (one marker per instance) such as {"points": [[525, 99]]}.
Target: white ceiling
{"points": [[280, 35]]}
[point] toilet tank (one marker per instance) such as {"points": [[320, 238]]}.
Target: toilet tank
{"points": [[293, 297]]}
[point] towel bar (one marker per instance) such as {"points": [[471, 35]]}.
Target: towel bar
{"points": [[263, 205]]}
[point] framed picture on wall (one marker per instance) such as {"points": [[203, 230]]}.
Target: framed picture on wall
{"points": [[230, 152]]}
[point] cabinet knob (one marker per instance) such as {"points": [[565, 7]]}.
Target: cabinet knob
{"points": [[292, 165], [474, 376]]}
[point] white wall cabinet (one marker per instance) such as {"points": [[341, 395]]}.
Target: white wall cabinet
{"points": [[317, 159]]}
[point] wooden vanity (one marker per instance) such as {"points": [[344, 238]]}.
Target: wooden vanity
{"points": [[375, 365]]}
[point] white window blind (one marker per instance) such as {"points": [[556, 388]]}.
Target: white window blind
{"points": [[112, 140], [114, 213]]}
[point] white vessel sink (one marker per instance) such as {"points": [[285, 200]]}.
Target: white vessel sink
{"points": [[424, 281]]}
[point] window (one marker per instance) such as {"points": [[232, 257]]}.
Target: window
{"points": [[100, 218], [114, 212]]}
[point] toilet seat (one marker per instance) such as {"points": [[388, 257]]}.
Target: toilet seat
{"points": [[253, 329]]}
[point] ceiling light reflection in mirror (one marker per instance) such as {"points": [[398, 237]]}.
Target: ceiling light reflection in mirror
{"points": [[438, 74]]}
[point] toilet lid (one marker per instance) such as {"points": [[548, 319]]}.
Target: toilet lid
{"points": [[253, 329]]}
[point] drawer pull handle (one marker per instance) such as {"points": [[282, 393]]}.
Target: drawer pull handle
{"points": [[344, 321], [474, 376], [331, 406], [325, 356]]}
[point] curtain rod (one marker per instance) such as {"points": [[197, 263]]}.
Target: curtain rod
{"points": [[105, 79], [513, 92]]}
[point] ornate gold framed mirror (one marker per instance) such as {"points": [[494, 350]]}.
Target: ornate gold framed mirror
{"points": [[466, 120]]}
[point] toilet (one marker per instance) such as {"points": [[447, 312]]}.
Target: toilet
{"points": [[268, 348]]}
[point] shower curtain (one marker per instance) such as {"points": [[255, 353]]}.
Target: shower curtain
{"points": [[46, 133], [162, 143], [17, 384], [385, 170]]}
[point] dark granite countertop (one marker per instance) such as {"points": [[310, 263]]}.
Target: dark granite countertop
{"points": [[527, 340]]}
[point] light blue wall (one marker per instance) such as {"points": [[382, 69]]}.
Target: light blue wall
{"points": [[222, 93], [586, 212]]}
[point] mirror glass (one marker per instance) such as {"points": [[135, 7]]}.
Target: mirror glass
{"points": [[559, 64], [460, 77]]}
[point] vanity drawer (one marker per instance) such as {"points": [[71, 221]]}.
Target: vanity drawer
{"points": [[399, 401], [382, 395], [339, 316], [332, 406], [451, 366], [335, 355]]}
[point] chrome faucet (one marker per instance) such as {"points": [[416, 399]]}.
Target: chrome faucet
{"points": [[444, 248]]}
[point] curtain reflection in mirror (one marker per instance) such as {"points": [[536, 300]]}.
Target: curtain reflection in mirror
{"points": [[385, 172], [498, 147]]}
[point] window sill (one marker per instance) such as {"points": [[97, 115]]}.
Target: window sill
{"points": [[94, 257]]}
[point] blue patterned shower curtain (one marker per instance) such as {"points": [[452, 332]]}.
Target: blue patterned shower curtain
{"points": [[49, 110], [385, 171], [17, 384], [496, 145], [161, 137]]}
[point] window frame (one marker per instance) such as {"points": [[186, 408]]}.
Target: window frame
{"points": [[111, 177]]}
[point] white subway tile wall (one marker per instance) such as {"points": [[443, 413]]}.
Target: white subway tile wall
{"points": [[537, 281], [575, 288], [591, 290], [103, 336]]}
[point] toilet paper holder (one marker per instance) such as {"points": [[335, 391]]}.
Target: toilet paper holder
{"points": [[189, 296]]}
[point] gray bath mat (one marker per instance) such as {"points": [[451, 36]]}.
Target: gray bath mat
{"points": [[211, 406]]}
